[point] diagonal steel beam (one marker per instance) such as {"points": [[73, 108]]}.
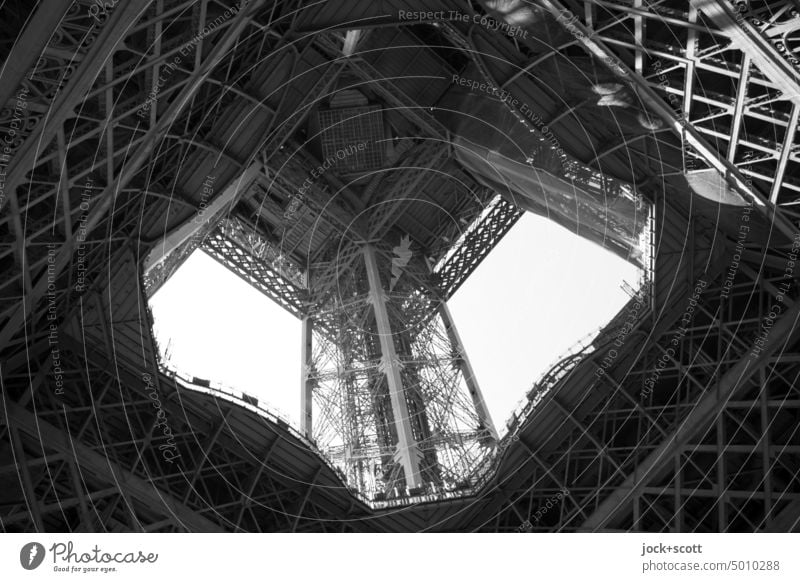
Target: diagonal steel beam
{"points": [[133, 164], [109, 40], [305, 498], [751, 42], [786, 521], [192, 225], [681, 126], [104, 469], [617, 503], [205, 451], [30, 45]]}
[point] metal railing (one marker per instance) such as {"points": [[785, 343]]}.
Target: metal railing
{"points": [[582, 350], [252, 403]]}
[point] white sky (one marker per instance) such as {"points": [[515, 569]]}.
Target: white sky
{"points": [[533, 297]]}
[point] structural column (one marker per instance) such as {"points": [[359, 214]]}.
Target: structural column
{"points": [[407, 453], [306, 383], [466, 370]]}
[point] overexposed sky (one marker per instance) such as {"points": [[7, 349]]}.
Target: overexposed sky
{"points": [[224, 330], [536, 294], [533, 297]]}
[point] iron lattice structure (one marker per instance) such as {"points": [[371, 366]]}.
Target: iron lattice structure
{"points": [[698, 438], [354, 365], [103, 199]]}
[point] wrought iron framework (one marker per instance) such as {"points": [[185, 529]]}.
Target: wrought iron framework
{"points": [[693, 431], [110, 127], [394, 404]]}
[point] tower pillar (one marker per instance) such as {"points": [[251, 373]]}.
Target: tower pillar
{"points": [[407, 453], [306, 384], [466, 370]]}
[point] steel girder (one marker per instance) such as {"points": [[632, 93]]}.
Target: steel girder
{"points": [[278, 134], [692, 75], [100, 463], [763, 34], [390, 394], [684, 427], [280, 171], [475, 245], [687, 66], [112, 443], [246, 259], [614, 437], [94, 188]]}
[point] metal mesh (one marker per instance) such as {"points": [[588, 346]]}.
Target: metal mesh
{"points": [[352, 138]]}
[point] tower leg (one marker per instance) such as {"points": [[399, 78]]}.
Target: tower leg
{"points": [[306, 384], [407, 453], [466, 369]]}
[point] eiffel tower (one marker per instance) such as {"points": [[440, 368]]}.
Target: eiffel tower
{"points": [[355, 162]]}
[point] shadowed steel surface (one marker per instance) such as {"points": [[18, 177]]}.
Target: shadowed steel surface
{"points": [[669, 420]]}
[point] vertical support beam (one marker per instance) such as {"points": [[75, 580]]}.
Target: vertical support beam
{"points": [[638, 31], [766, 462], [691, 48], [751, 41], [706, 411], [689, 135], [466, 369], [786, 151], [306, 385], [63, 182], [407, 453], [738, 108]]}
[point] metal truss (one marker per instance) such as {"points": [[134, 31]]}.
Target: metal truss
{"points": [[731, 115], [692, 430], [167, 152], [285, 173], [251, 257], [89, 180], [386, 343], [399, 186], [114, 444], [710, 446], [691, 426], [475, 244], [96, 123], [728, 457], [75, 453]]}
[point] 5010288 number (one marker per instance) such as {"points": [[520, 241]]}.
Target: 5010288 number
{"points": [[755, 565]]}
